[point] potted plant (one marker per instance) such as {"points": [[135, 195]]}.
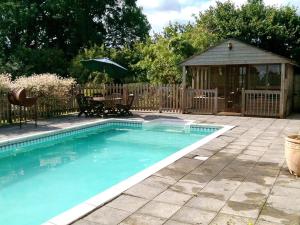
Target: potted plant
{"points": [[292, 153]]}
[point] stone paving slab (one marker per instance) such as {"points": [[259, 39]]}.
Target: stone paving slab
{"points": [[141, 219], [173, 197], [159, 209], [243, 178], [127, 203], [207, 201], [144, 191], [187, 188], [282, 216], [241, 209], [227, 219], [174, 222], [107, 216], [194, 216]]}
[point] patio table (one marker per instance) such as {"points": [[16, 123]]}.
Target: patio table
{"points": [[104, 99], [104, 105]]}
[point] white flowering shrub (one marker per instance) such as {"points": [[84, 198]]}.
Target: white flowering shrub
{"points": [[54, 93], [5, 82], [46, 85]]}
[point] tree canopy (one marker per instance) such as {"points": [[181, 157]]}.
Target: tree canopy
{"points": [[267, 27], [67, 25], [53, 36]]}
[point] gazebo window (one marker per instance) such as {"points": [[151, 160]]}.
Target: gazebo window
{"points": [[217, 74], [264, 77], [274, 78]]}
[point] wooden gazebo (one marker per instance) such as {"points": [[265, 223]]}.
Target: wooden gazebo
{"points": [[238, 78]]}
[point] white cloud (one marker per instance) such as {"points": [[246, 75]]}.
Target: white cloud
{"points": [[161, 12], [160, 5]]}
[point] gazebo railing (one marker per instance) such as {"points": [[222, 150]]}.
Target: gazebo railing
{"points": [[201, 101], [264, 103]]}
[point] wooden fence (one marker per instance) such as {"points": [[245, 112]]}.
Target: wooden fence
{"points": [[46, 108], [162, 98], [261, 103]]}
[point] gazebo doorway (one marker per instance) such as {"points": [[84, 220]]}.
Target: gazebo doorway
{"points": [[235, 81]]}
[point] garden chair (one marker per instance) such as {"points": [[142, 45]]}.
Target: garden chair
{"points": [[124, 109], [85, 105]]}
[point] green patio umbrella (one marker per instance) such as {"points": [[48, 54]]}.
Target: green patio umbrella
{"points": [[105, 65]]}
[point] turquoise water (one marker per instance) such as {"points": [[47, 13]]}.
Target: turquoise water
{"points": [[40, 181]]}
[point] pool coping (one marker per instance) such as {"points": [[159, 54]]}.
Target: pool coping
{"points": [[100, 199]]}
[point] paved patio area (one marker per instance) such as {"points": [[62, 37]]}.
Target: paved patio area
{"points": [[244, 180]]}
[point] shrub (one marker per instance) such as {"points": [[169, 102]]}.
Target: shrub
{"points": [[5, 82], [46, 85], [53, 92]]}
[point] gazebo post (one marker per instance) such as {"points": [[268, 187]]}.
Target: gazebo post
{"points": [[282, 92], [183, 97]]}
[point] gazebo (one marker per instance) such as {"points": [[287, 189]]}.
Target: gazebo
{"points": [[238, 78]]}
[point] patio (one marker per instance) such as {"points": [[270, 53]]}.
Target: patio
{"points": [[244, 179]]}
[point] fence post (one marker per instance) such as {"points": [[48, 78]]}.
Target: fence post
{"points": [[183, 100], [216, 101], [243, 102], [125, 93], [9, 114], [160, 97], [282, 103]]}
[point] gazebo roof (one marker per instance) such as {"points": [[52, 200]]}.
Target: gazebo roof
{"points": [[240, 53]]}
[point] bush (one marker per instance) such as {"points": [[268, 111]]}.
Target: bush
{"points": [[5, 82], [53, 92], [46, 85]]}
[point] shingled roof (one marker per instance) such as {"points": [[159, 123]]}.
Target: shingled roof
{"points": [[240, 54]]}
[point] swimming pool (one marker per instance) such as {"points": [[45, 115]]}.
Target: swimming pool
{"points": [[45, 175]]}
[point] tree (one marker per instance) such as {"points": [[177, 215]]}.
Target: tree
{"points": [[125, 56], [125, 24], [267, 27], [162, 55], [69, 25], [27, 61]]}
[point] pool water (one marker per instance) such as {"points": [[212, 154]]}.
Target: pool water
{"points": [[39, 181]]}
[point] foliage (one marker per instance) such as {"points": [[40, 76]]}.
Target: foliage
{"points": [[267, 27], [125, 56], [82, 74], [163, 54], [159, 63], [5, 82], [125, 24], [46, 86], [67, 26], [27, 61]]}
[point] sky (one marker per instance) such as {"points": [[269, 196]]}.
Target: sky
{"points": [[161, 12]]}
